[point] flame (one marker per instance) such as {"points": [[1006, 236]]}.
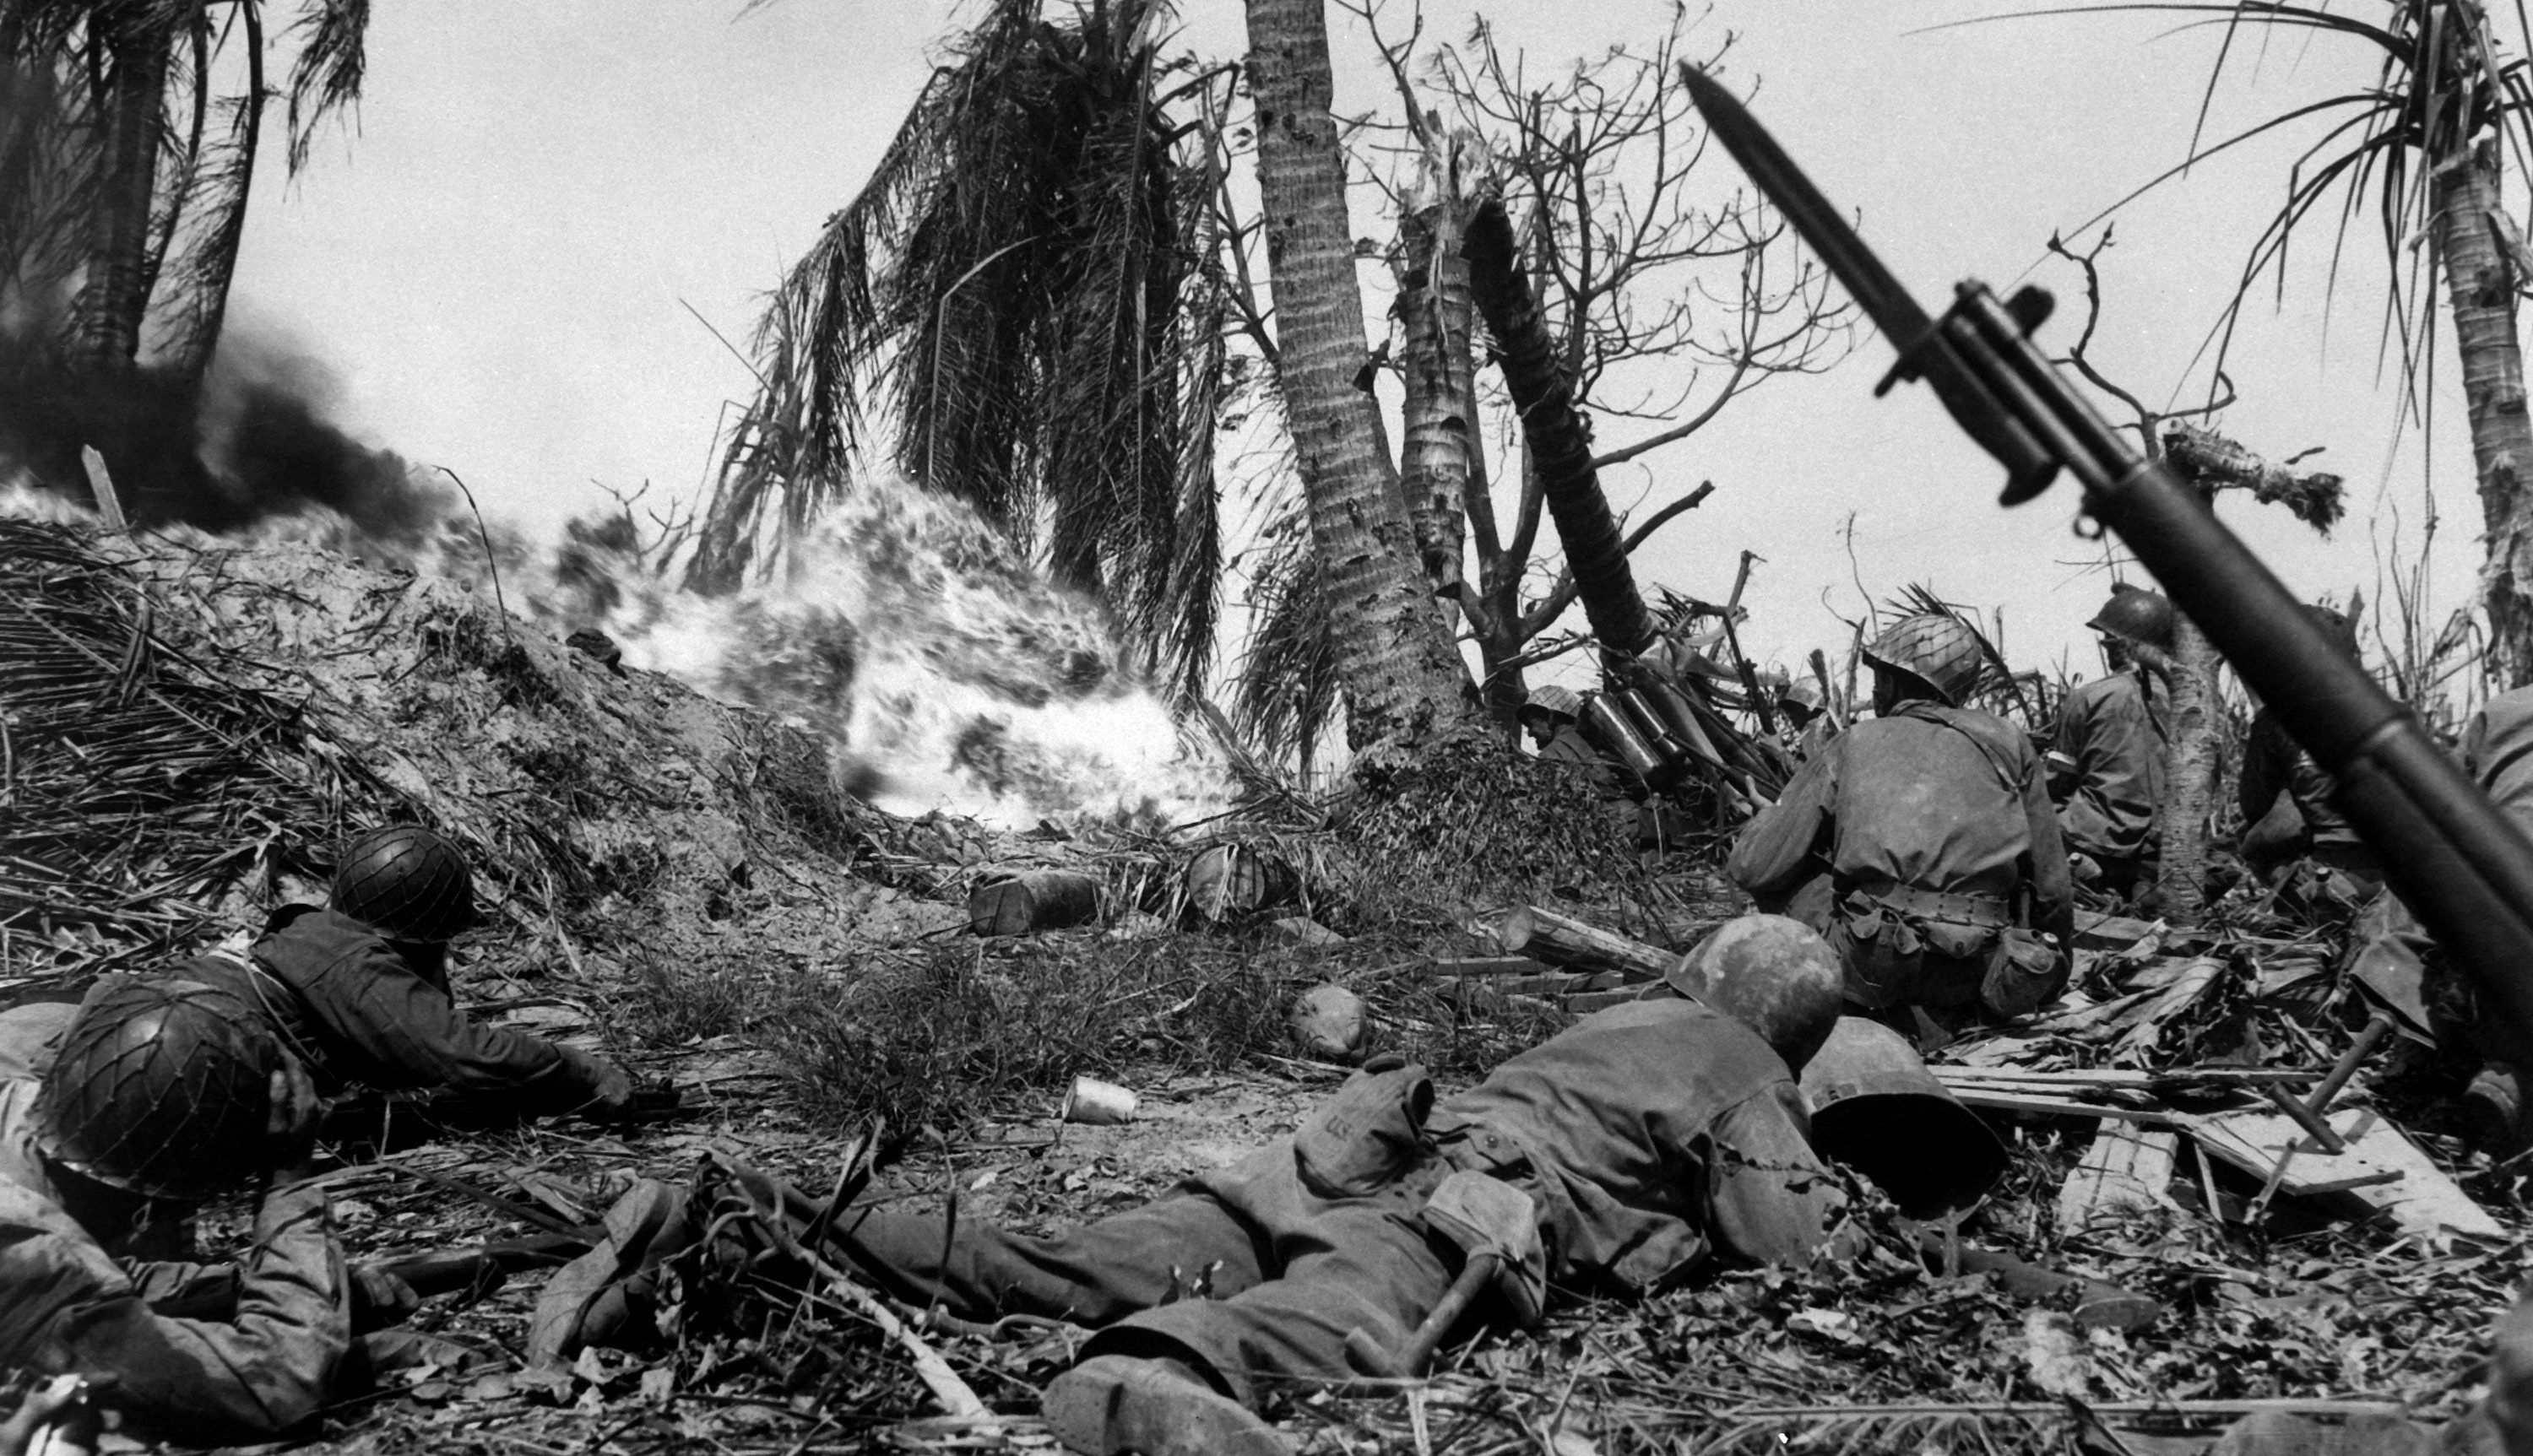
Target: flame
{"points": [[904, 630], [943, 671]]}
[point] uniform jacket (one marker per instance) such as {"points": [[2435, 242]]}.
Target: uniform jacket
{"points": [[2498, 752], [2114, 730], [1570, 749], [1944, 799], [1659, 1132], [66, 1305], [2273, 764], [355, 1011]]}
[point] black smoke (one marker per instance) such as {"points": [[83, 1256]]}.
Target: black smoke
{"points": [[250, 441]]}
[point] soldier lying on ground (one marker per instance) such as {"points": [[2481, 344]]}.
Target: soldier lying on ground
{"points": [[1649, 1139], [2111, 734], [1921, 843], [167, 1094], [359, 991]]}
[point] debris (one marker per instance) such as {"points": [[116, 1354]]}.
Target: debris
{"points": [[1033, 900], [1331, 1024], [1096, 1103], [1232, 881], [2126, 1169], [2098, 1304], [2053, 1354], [1302, 930], [1562, 940], [2380, 1166], [101, 485]]}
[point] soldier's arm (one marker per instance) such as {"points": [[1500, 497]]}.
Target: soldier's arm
{"points": [[1776, 849], [1769, 1199], [2053, 888], [406, 1033], [261, 1372]]}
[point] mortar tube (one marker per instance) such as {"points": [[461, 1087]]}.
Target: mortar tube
{"points": [[1614, 731], [1664, 744]]}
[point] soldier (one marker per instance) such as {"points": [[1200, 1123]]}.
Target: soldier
{"points": [[1806, 728], [2342, 869], [1649, 1139], [1551, 716], [164, 1094], [2111, 733], [358, 990], [1921, 843]]}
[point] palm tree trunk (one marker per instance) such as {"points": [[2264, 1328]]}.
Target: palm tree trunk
{"points": [[106, 319], [2481, 286], [1403, 678], [2190, 776], [1442, 392], [1542, 394]]}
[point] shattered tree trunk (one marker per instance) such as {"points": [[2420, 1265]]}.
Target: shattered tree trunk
{"points": [[2209, 462], [1561, 448], [2481, 284], [1402, 674], [114, 293]]}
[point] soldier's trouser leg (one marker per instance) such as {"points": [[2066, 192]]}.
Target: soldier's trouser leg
{"points": [[1335, 1265], [1093, 1274]]}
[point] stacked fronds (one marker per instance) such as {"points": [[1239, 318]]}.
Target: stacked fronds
{"points": [[141, 782]]}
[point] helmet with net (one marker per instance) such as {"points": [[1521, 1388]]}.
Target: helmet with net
{"points": [[1802, 693], [2136, 614], [1936, 649], [1557, 702], [1775, 976], [163, 1087], [407, 884], [1876, 1108]]}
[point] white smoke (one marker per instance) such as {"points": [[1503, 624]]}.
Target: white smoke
{"points": [[939, 664], [905, 631]]}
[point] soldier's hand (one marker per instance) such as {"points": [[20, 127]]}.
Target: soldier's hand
{"points": [[380, 1298], [41, 1405], [611, 1092], [294, 1112]]}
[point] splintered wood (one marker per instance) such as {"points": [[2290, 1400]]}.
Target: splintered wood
{"points": [[2381, 1167], [2126, 1170]]}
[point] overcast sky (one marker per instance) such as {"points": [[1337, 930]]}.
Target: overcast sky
{"points": [[501, 260]]}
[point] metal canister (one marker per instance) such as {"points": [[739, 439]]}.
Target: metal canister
{"points": [[1668, 757], [1612, 729], [1680, 716]]}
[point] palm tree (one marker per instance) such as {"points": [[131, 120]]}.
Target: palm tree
{"points": [[1020, 309], [2426, 149], [1402, 677], [128, 138]]}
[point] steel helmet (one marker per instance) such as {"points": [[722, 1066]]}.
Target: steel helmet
{"points": [[407, 884], [1937, 650], [1560, 702], [1804, 694], [2337, 625], [163, 1087], [1775, 976], [2137, 614], [1876, 1107]]}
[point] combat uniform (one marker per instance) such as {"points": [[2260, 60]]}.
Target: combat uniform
{"points": [[66, 1305], [1913, 843], [2113, 730], [2273, 765], [1650, 1137], [354, 1009]]}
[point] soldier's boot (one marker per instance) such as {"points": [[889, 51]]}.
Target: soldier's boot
{"points": [[1116, 1403], [2492, 1110]]}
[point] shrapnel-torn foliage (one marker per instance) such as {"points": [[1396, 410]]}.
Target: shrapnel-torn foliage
{"points": [[1022, 309]]}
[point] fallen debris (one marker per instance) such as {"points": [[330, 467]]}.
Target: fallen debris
{"points": [[1029, 900]]}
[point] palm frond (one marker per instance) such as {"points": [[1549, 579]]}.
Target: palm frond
{"points": [[333, 58]]}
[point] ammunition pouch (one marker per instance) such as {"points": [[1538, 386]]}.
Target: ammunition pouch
{"points": [[1902, 945], [2025, 972], [1369, 1135]]}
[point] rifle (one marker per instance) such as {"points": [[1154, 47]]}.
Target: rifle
{"points": [[2453, 856], [373, 1118]]}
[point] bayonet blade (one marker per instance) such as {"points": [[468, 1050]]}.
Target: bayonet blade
{"points": [[1775, 174]]}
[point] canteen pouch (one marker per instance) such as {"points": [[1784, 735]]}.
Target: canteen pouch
{"points": [[2025, 973], [1884, 958], [1361, 1139]]}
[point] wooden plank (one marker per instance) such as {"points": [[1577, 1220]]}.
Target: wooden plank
{"points": [[2102, 932], [1487, 965], [2126, 1169], [2380, 1166], [2059, 1106], [1543, 934]]}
